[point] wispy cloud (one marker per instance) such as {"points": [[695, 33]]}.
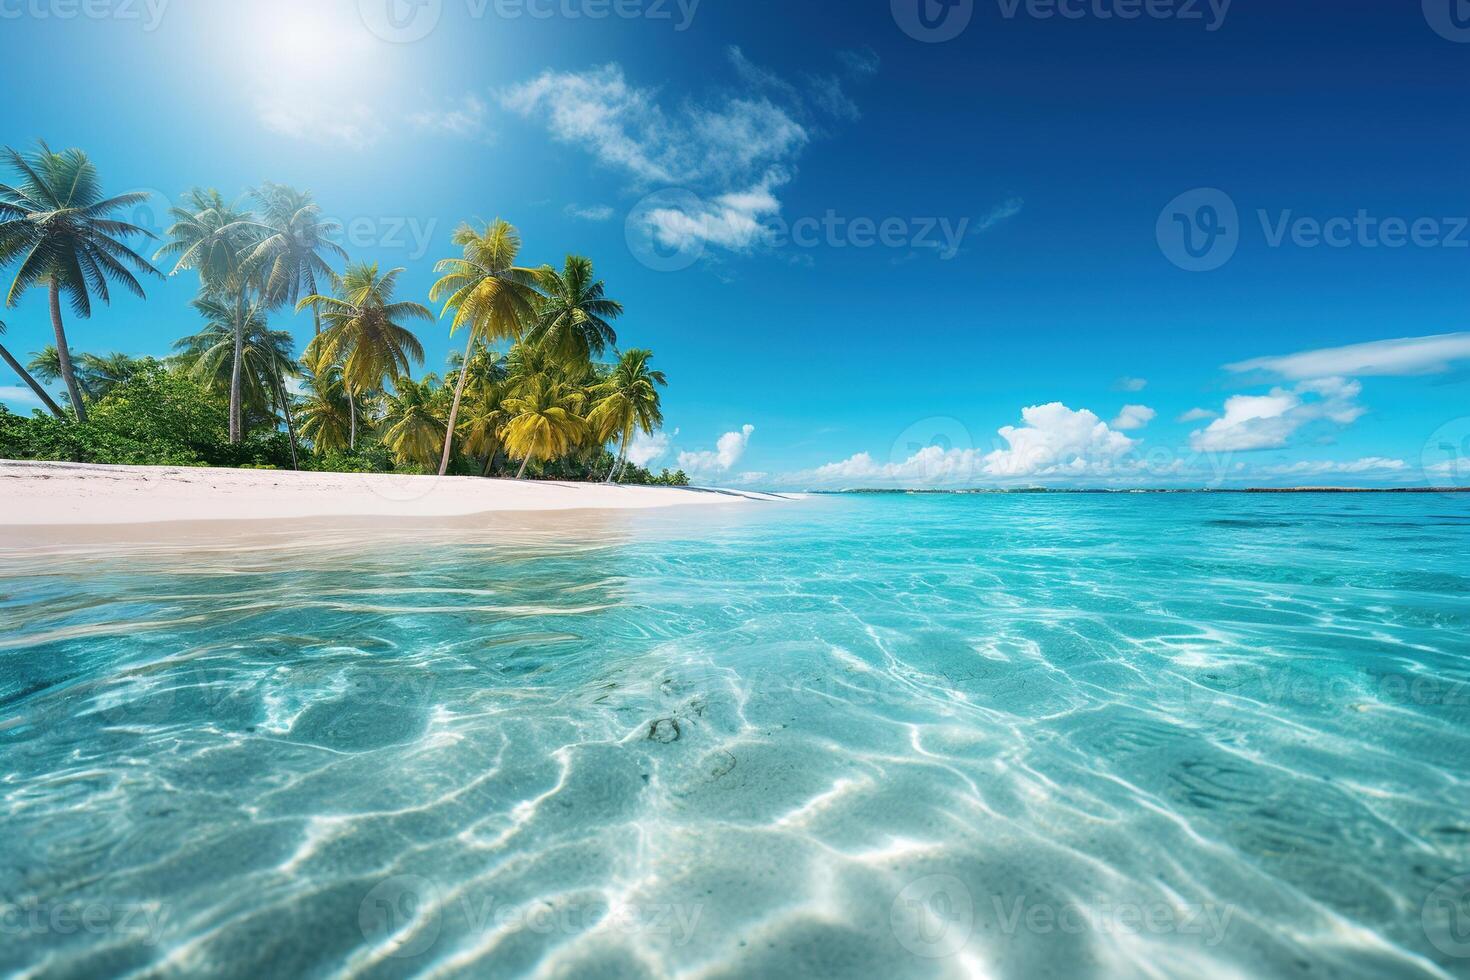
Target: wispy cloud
{"points": [[1406, 356], [1130, 384], [1198, 415], [464, 118], [593, 212], [353, 126], [19, 394], [624, 126]]}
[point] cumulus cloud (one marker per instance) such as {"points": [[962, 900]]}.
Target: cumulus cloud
{"points": [[727, 453], [1406, 356], [644, 448], [1269, 421], [465, 118], [593, 212], [1055, 442], [1198, 415], [1134, 417]]}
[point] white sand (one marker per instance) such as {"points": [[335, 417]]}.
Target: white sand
{"points": [[35, 494]]}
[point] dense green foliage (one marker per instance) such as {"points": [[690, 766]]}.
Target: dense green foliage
{"points": [[234, 392]]}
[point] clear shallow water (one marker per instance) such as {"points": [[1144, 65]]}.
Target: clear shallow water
{"points": [[916, 736]]}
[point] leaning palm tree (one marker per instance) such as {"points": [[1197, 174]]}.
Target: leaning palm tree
{"points": [[31, 382], [289, 257], [488, 293], [545, 421], [412, 430], [361, 332], [572, 322], [216, 240], [627, 401], [325, 413], [56, 222]]}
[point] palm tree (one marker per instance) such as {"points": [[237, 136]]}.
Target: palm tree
{"points": [[626, 401], [545, 420], [573, 319], [363, 334], [289, 258], [265, 358], [25, 376], [216, 240], [488, 293], [104, 372], [325, 412], [56, 221], [411, 429]]}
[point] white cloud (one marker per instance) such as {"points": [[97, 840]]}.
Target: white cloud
{"points": [[644, 448], [1269, 421], [1130, 384], [625, 127], [1008, 208], [1408, 356], [20, 394], [1057, 441], [594, 212], [732, 151], [1367, 465], [730, 220], [1054, 443], [1134, 417], [352, 126], [1198, 415], [464, 118], [728, 451]]}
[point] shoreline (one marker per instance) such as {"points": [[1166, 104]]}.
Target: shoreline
{"points": [[50, 494]]}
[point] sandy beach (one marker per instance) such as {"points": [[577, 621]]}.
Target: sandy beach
{"points": [[41, 494]]}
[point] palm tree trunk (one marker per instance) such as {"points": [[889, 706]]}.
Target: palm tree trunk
{"points": [[351, 419], [464, 375], [526, 462], [63, 354], [286, 408], [622, 461], [32, 382], [237, 429]]}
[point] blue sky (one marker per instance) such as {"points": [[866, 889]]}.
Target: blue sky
{"points": [[864, 255]]}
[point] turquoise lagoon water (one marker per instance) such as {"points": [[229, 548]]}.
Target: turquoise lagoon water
{"points": [[890, 737]]}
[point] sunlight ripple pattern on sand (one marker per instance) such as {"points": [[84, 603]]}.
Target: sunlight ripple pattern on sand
{"points": [[900, 737]]}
